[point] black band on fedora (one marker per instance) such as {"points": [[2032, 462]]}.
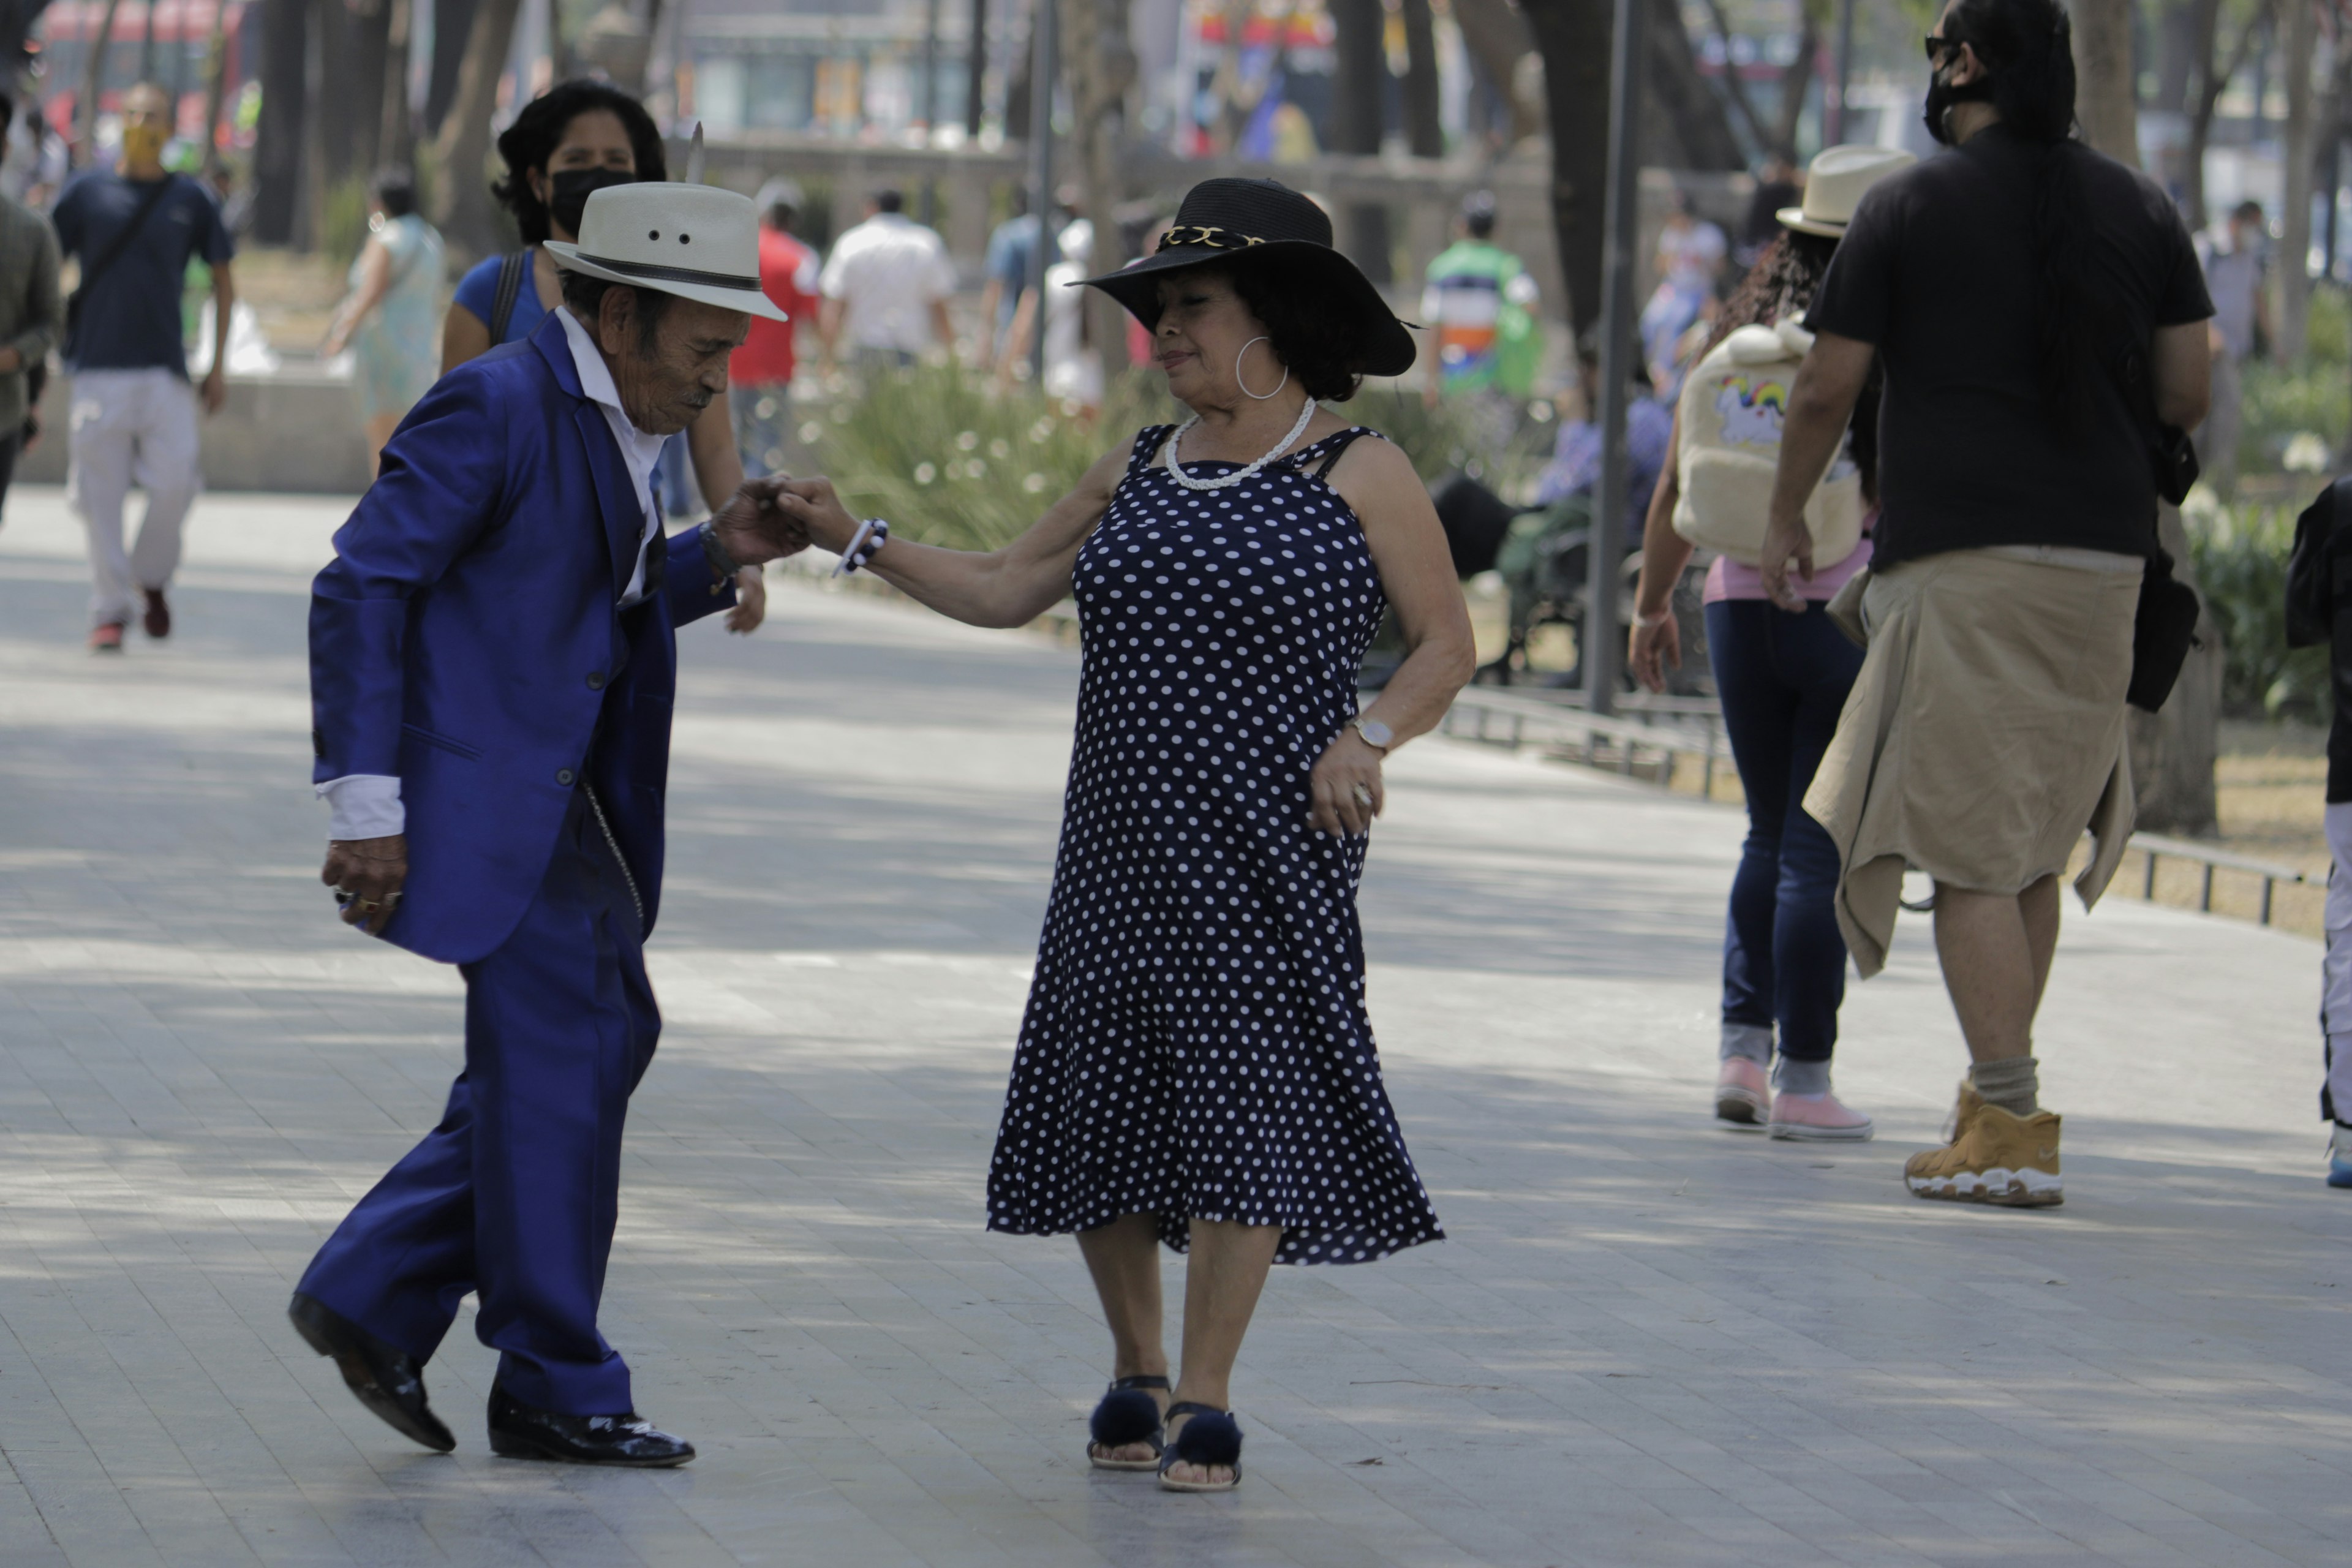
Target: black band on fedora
{"points": [[671, 274]]}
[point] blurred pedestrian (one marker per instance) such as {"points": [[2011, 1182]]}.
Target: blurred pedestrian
{"points": [[387, 318], [1690, 259], [1012, 245], [2319, 614], [2235, 254], [572, 141], [1782, 678], [32, 316], [1073, 368], [134, 228], [759, 375], [2009, 284], [1479, 302], [885, 287], [1196, 1067], [1777, 186]]}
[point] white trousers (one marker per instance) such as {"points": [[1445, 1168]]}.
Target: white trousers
{"points": [[131, 427], [2336, 968]]}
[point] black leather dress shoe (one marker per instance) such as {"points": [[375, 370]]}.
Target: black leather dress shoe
{"points": [[388, 1380], [520, 1432]]}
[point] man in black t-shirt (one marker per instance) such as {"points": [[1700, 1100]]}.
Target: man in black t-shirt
{"points": [[2010, 289], [134, 415]]}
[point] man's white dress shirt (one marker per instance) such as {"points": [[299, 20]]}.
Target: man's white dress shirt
{"points": [[367, 805]]}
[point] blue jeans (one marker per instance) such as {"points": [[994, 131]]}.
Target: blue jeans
{"points": [[1783, 681]]}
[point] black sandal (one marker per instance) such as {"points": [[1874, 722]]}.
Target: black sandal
{"points": [[1127, 1415], [1211, 1437]]}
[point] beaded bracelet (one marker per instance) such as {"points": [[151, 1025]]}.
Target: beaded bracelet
{"points": [[864, 545]]}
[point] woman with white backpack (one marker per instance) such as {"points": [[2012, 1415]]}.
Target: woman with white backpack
{"points": [[1782, 678]]}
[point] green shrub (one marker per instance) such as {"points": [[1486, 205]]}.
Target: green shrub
{"points": [[949, 461], [2239, 557]]}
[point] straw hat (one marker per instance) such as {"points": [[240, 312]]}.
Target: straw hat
{"points": [[1264, 223], [1834, 184], [696, 242]]}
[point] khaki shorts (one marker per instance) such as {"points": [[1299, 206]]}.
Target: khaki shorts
{"points": [[1984, 733]]}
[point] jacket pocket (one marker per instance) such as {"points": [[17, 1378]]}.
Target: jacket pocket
{"points": [[457, 748]]}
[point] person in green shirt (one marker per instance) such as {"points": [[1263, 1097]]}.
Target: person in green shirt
{"points": [[1480, 301]]}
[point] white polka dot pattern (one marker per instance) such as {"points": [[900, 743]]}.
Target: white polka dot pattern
{"points": [[1196, 1043]]}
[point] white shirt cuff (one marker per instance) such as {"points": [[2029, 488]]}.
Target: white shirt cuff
{"points": [[363, 805]]}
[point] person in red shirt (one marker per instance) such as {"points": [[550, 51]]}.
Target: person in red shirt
{"points": [[759, 373]]}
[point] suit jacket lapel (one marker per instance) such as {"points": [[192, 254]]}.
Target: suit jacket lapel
{"points": [[616, 497]]}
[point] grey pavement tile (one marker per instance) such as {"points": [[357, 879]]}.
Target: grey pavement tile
{"points": [[1648, 1341]]}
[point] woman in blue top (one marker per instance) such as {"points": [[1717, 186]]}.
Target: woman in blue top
{"points": [[575, 138]]}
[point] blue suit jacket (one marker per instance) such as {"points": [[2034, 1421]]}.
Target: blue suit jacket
{"points": [[466, 638]]}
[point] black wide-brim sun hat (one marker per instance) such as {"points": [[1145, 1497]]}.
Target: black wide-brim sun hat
{"points": [[1265, 223]]}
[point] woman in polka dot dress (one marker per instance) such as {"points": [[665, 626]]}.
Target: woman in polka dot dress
{"points": [[1196, 1067]]}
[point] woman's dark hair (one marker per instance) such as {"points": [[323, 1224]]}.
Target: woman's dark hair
{"points": [[395, 191], [2028, 46], [538, 131], [1316, 342], [1780, 287]]}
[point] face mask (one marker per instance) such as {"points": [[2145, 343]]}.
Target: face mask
{"points": [[1941, 96], [571, 188], [142, 143]]}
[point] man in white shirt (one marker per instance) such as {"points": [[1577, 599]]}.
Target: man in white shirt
{"points": [[886, 285]]}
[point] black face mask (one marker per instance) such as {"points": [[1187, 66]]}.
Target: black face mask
{"points": [[569, 190], [1942, 95]]}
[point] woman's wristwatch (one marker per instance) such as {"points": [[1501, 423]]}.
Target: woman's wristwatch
{"points": [[1373, 733]]}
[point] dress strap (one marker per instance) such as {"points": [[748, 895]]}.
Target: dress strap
{"points": [[1338, 441], [1148, 442]]}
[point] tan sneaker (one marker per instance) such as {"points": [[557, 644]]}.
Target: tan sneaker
{"points": [[1995, 1157]]}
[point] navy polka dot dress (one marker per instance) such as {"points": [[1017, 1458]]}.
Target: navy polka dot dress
{"points": [[1196, 1043]]}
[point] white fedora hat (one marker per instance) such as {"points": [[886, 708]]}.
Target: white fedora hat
{"points": [[1834, 187], [696, 242]]}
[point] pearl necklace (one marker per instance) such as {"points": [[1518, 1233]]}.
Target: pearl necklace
{"points": [[1176, 469]]}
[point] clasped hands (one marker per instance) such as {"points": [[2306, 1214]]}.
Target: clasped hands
{"points": [[754, 528]]}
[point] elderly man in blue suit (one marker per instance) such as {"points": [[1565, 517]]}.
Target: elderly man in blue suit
{"points": [[492, 663]]}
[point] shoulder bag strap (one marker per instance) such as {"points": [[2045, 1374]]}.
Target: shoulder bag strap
{"points": [[122, 241], [511, 267]]}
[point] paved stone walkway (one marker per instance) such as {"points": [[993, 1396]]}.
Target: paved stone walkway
{"points": [[1647, 1341]]}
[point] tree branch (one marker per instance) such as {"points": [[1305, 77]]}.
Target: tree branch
{"points": [[1735, 89]]}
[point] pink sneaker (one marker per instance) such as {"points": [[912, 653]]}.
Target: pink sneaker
{"points": [[1816, 1118], [1742, 1094]]}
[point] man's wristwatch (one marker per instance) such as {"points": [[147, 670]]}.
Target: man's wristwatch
{"points": [[722, 565], [1373, 733]]}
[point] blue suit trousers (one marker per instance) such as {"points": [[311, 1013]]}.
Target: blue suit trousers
{"points": [[514, 1195]]}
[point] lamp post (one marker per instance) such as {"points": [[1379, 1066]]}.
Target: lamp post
{"points": [[1601, 656]]}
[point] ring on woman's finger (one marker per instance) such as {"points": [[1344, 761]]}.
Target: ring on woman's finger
{"points": [[1363, 796]]}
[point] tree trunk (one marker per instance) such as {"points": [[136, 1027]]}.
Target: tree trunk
{"points": [[976, 69], [2293, 269], [1098, 63], [278, 144], [1358, 111], [355, 77], [453, 27], [396, 132], [2173, 751], [1687, 108], [2107, 102], [215, 85], [1573, 36], [462, 207], [1796, 79], [93, 78], [1498, 36], [1423, 133], [2214, 71]]}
